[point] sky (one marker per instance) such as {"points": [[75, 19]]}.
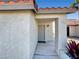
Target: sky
{"points": [[57, 3], [54, 3], [73, 16]]}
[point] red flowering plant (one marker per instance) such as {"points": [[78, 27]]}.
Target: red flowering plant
{"points": [[73, 49]]}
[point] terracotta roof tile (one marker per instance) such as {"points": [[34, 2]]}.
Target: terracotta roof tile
{"points": [[16, 4], [2, 3], [59, 8], [56, 10], [15, 1]]}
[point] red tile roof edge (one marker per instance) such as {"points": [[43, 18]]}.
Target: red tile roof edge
{"points": [[18, 1], [35, 5], [55, 8]]}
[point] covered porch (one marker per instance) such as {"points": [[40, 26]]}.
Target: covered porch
{"points": [[52, 36]]}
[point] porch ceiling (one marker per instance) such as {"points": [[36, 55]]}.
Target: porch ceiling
{"points": [[49, 16], [46, 20]]}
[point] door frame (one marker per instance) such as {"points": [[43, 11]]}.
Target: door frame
{"points": [[44, 35]]}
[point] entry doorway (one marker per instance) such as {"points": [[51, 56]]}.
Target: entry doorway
{"points": [[46, 40], [45, 31], [41, 33]]}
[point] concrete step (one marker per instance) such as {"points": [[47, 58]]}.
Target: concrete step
{"points": [[45, 52], [45, 57]]}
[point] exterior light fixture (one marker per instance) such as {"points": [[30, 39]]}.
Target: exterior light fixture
{"points": [[48, 25]]}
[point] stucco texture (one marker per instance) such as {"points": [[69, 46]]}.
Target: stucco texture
{"points": [[15, 35]]}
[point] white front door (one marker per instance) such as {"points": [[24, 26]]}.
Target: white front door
{"points": [[41, 33]]}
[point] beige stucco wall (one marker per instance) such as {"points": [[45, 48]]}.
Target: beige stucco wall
{"points": [[74, 31], [14, 35], [33, 35], [73, 27], [49, 32], [18, 35], [77, 31]]}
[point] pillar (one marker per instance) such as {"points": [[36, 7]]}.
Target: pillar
{"points": [[60, 34]]}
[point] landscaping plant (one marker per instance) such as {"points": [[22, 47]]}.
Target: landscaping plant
{"points": [[73, 49]]}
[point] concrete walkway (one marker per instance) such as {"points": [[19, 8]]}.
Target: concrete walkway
{"points": [[46, 51]]}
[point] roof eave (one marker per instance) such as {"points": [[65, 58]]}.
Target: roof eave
{"points": [[57, 10], [16, 6]]}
